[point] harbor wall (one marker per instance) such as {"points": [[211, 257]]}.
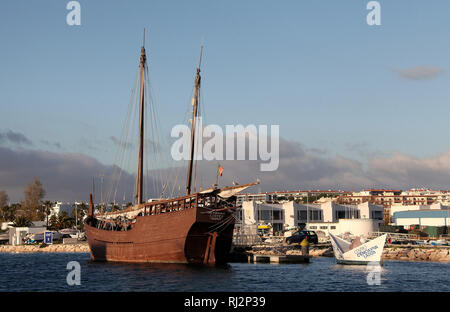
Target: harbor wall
{"points": [[441, 254], [403, 253], [84, 247]]}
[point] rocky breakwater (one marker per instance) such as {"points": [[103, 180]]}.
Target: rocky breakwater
{"points": [[82, 247], [403, 253], [441, 254], [281, 250]]}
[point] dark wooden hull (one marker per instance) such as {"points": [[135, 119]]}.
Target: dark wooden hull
{"points": [[185, 236]]}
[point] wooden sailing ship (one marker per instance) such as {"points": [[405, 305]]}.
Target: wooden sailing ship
{"points": [[195, 228]]}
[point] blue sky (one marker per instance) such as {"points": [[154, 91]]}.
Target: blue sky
{"points": [[314, 67]]}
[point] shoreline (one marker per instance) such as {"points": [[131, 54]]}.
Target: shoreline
{"points": [[421, 254], [400, 253], [59, 248], [397, 253]]}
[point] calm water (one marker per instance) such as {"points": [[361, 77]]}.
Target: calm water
{"points": [[47, 272]]}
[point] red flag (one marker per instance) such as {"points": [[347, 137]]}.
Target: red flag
{"points": [[220, 170]]}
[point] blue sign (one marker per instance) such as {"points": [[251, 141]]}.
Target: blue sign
{"points": [[48, 237]]}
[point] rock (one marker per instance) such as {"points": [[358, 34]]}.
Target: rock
{"points": [[412, 254], [434, 256], [442, 254], [421, 255]]}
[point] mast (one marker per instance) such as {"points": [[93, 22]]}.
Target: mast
{"points": [[194, 117], [140, 169]]}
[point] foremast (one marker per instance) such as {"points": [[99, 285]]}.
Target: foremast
{"points": [[195, 100]]}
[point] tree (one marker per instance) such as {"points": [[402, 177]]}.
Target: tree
{"points": [[84, 208], [53, 223], [64, 221], [79, 212], [21, 221], [47, 208], [9, 212], [3, 204], [34, 192]]}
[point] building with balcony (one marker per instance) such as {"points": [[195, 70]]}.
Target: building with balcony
{"points": [[328, 216]]}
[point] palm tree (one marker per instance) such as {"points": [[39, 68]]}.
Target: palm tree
{"points": [[47, 208], [9, 212], [21, 221], [53, 223], [64, 221]]}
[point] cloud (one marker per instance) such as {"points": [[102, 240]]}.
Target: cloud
{"points": [[52, 144], [320, 151], [65, 176], [127, 145], [68, 176], [419, 72], [90, 144], [408, 171], [301, 168], [14, 137], [298, 168], [117, 142]]}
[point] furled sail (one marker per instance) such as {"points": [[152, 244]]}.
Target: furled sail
{"points": [[227, 192]]}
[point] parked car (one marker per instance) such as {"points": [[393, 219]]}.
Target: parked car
{"points": [[299, 236]]}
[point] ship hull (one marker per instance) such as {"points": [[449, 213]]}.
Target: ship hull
{"points": [[186, 236]]}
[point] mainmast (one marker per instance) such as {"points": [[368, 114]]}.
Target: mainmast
{"points": [[140, 169], [194, 117]]}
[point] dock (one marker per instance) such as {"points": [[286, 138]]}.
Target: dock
{"points": [[261, 258]]}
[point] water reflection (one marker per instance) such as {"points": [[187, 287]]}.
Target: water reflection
{"points": [[157, 276], [47, 272]]}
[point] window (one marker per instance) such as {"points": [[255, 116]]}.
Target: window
{"points": [[313, 227], [266, 215], [314, 215], [377, 215], [332, 227], [340, 214], [301, 214], [324, 227], [277, 215]]}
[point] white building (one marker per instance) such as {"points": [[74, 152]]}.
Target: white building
{"points": [[358, 219], [59, 207], [254, 212], [328, 216], [427, 217], [17, 234], [435, 206], [351, 226]]}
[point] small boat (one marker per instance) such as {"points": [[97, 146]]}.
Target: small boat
{"points": [[70, 232], [356, 252]]}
